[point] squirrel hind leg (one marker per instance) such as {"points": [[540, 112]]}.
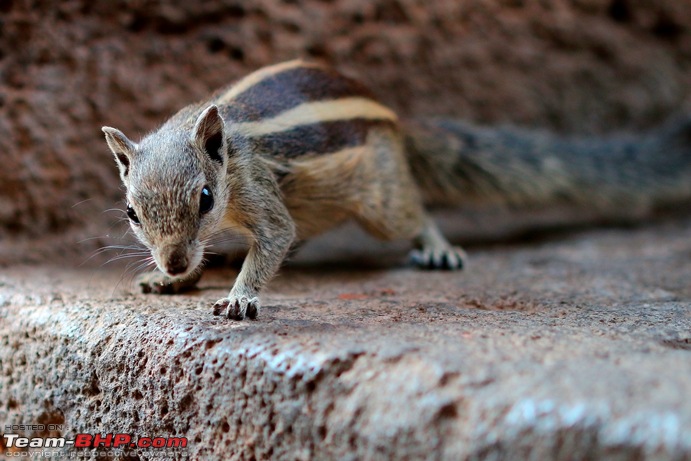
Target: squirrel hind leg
{"points": [[434, 252]]}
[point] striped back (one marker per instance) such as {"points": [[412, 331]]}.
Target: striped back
{"points": [[298, 108]]}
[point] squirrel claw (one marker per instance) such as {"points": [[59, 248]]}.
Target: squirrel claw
{"points": [[235, 308], [451, 258]]}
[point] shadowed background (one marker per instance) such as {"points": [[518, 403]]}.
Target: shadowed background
{"points": [[69, 67]]}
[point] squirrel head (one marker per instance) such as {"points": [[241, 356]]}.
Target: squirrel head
{"points": [[176, 192]]}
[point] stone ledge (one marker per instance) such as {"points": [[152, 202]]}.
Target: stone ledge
{"points": [[576, 348]]}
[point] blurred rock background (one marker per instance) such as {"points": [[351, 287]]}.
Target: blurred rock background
{"points": [[68, 67]]}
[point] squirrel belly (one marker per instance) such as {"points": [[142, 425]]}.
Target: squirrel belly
{"points": [[294, 149]]}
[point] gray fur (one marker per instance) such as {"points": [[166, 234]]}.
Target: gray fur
{"points": [[167, 171], [380, 180], [618, 177]]}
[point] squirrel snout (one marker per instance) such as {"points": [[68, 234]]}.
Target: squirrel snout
{"points": [[176, 262]]}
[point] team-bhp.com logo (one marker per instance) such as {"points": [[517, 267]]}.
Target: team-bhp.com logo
{"points": [[16, 445]]}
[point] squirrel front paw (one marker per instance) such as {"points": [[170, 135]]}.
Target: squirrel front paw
{"points": [[445, 258], [236, 308], [159, 283]]}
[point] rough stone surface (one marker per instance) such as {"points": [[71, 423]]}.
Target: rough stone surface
{"points": [[69, 67], [573, 347], [567, 348]]}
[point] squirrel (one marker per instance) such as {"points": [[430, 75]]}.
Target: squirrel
{"points": [[294, 149]]}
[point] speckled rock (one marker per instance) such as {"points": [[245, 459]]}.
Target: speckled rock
{"points": [[568, 348]]}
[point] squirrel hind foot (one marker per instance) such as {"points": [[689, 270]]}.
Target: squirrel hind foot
{"points": [[450, 258], [433, 251]]}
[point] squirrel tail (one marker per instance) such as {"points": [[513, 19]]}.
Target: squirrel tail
{"points": [[616, 177]]}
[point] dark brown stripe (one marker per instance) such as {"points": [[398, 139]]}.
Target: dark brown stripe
{"points": [[318, 138], [239, 113], [289, 89]]}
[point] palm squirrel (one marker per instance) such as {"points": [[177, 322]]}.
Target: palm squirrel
{"points": [[294, 149]]}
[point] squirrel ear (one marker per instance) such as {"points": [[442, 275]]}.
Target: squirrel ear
{"points": [[209, 133], [122, 148]]}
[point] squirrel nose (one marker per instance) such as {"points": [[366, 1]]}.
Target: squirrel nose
{"points": [[177, 262]]}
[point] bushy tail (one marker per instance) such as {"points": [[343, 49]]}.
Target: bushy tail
{"points": [[457, 163]]}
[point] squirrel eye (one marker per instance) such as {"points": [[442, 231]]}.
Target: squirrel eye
{"points": [[132, 215], [206, 201]]}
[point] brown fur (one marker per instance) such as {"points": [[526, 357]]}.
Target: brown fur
{"points": [[296, 149]]}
